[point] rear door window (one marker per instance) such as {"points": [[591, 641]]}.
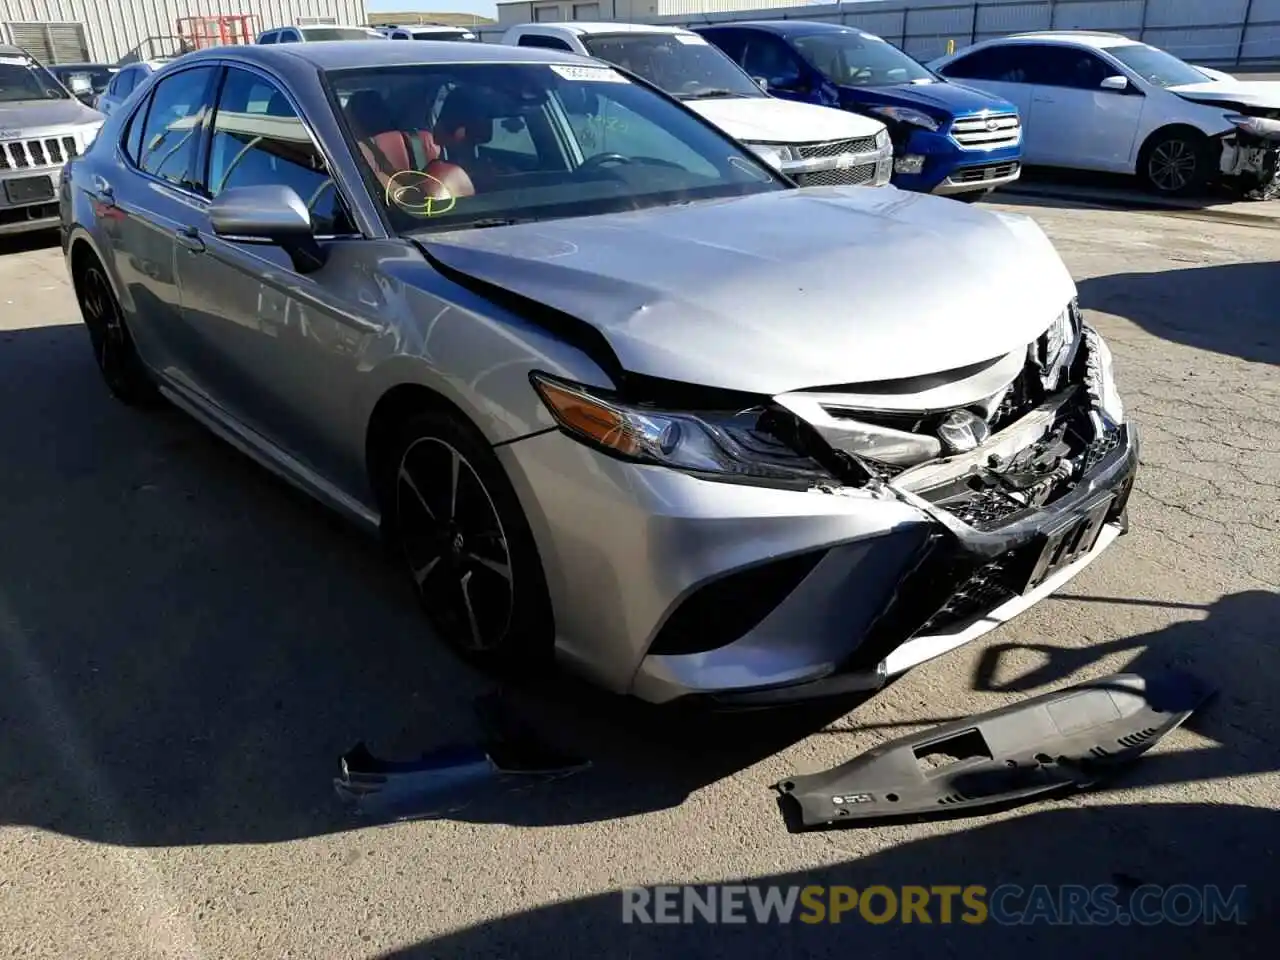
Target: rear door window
{"points": [[174, 125]]}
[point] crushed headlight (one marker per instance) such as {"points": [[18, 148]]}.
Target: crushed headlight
{"points": [[1100, 378], [775, 155], [726, 446], [907, 115], [1262, 127], [1055, 346]]}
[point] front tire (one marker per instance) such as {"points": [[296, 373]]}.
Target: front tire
{"points": [[458, 528], [123, 370], [1176, 164]]}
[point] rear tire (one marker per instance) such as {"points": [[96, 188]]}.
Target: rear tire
{"points": [[123, 370], [457, 527], [1176, 163]]}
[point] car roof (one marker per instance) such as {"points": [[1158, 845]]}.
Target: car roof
{"points": [[347, 54], [81, 64], [1083, 38], [10, 51], [790, 27], [593, 26]]}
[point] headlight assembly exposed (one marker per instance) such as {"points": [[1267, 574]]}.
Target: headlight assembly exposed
{"points": [[726, 446], [1100, 378], [907, 115]]}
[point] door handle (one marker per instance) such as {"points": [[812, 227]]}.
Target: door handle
{"points": [[189, 239]]}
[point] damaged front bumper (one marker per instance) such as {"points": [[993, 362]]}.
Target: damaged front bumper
{"points": [[1251, 155], [749, 594]]}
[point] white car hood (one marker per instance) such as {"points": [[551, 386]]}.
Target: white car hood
{"points": [[784, 290], [1250, 93], [771, 120]]}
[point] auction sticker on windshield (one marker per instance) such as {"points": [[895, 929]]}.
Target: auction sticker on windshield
{"points": [[597, 74]]}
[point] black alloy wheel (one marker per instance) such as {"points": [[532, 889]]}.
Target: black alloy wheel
{"points": [[113, 349], [467, 546]]}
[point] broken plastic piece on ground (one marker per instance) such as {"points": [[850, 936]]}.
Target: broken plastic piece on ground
{"points": [[1055, 743], [447, 779]]}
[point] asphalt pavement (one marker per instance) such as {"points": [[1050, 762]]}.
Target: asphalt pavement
{"points": [[187, 647]]}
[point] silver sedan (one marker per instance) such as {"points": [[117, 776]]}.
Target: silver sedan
{"points": [[615, 390]]}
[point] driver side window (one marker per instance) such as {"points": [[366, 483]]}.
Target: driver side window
{"points": [[259, 139], [770, 58]]}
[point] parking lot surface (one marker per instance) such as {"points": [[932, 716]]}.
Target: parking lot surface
{"points": [[187, 647]]}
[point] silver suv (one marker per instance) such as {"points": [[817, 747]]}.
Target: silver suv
{"points": [[42, 126]]}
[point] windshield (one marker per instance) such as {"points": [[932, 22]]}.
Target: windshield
{"points": [[684, 65], [469, 145], [444, 35], [1156, 66], [24, 79], [340, 33], [100, 77], [855, 59]]}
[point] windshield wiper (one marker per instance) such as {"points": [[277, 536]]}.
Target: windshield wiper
{"points": [[708, 94]]}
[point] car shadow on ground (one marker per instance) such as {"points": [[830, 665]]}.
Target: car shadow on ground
{"points": [[1234, 306], [1123, 847], [17, 243], [1180, 836], [187, 645], [1121, 189]]}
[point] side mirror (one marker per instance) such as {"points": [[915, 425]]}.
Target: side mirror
{"points": [[1118, 84], [762, 83], [268, 214], [791, 84]]}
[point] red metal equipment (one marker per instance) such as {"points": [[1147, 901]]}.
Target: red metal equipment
{"points": [[198, 33]]}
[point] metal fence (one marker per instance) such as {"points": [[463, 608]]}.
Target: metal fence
{"points": [[1215, 32]]}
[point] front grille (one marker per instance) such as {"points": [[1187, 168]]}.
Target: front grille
{"points": [[987, 589], [36, 153], [834, 148], [997, 171], [989, 131], [851, 176]]}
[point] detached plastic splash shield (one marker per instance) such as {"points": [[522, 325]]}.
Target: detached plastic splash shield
{"points": [[1055, 743], [447, 779]]}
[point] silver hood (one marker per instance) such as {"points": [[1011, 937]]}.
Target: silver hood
{"points": [[18, 119], [785, 290]]}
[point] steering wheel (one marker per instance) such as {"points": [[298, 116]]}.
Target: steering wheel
{"points": [[600, 159]]}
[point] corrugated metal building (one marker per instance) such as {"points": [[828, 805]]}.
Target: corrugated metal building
{"points": [[64, 31], [511, 12]]}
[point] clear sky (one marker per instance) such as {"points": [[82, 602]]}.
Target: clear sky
{"points": [[485, 8]]}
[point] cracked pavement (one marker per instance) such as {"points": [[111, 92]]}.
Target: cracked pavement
{"points": [[186, 648]]}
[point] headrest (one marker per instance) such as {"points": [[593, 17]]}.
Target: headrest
{"points": [[466, 117], [368, 113]]}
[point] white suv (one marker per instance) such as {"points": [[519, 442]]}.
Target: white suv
{"points": [[811, 144], [427, 32], [1101, 101]]}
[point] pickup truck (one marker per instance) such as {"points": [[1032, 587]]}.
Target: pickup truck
{"points": [[811, 144]]}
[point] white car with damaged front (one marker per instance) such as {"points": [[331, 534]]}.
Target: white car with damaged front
{"points": [[1100, 101]]}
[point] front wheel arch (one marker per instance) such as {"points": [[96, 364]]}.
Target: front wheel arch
{"points": [[1203, 141]]}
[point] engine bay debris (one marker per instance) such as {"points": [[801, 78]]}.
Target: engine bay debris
{"points": [[1052, 744], [447, 779]]}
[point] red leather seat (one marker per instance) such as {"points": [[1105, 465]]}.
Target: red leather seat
{"points": [[391, 152]]}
